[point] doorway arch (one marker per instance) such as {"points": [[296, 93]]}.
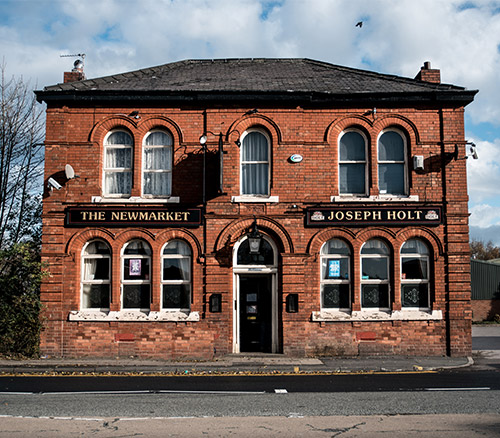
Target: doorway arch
{"points": [[255, 296]]}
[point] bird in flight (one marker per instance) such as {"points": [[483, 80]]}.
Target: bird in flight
{"points": [[359, 24]]}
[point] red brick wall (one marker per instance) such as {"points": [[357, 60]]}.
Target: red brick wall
{"points": [[75, 136]]}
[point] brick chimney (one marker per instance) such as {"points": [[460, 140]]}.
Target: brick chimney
{"points": [[76, 74], [427, 74]]}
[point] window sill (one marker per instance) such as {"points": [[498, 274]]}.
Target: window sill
{"points": [[136, 200], [376, 315], [134, 316], [255, 198], [378, 198]]}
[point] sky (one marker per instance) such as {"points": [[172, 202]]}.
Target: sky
{"points": [[459, 37]]}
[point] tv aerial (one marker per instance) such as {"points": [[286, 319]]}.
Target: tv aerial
{"points": [[79, 63]]}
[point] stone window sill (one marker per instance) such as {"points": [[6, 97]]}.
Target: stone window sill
{"points": [[255, 198], [135, 200], [378, 198], [366, 315], [134, 316]]}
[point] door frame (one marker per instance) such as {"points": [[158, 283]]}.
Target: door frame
{"points": [[249, 270]]}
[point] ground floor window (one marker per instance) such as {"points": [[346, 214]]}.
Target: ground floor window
{"points": [[375, 274], [96, 275], [335, 275], [415, 274], [136, 275], [176, 276]]}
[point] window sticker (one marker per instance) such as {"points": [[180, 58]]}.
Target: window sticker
{"points": [[333, 268], [135, 267]]}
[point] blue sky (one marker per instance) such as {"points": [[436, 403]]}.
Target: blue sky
{"points": [[461, 38]]}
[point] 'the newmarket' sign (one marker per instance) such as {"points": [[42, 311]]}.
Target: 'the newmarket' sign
{"points": [[388, 216], [132, 216]]}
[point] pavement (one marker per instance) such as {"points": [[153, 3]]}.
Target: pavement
{"points": [[486, 343]]}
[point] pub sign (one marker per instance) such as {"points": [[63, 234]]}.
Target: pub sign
{"points": [[387, 216]]}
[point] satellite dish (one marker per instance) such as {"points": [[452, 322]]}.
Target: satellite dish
{"points": [[69, 171]]}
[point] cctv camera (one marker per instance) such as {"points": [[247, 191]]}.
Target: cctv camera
{"points": [[473, 152], [53, 184]]}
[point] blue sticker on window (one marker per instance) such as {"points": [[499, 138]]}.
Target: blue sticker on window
{"points": [[333, 268]]}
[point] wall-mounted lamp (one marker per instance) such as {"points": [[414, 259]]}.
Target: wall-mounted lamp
{"points": [[473, 151], [254, 239]]}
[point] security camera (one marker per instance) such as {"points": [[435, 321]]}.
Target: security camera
{"points": [[53, 184], [473, 152]]}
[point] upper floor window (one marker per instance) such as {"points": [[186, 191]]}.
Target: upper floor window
{"points": [[118, 159], [176, 276], [157, 164], [375, 274], [392, 172], [255, 164], [415, 274], [335, 275], [352, 164], [136, 275], [96, 275]]}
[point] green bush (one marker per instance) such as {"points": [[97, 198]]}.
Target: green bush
{"points": [[21, 274]]}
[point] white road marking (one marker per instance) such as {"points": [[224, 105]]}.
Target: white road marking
{"points": [[485, 388]]}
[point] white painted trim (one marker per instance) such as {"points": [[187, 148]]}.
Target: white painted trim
{"points": [[255, 198], [366, 315], [378, 198], [134, 315], [136, 200]]}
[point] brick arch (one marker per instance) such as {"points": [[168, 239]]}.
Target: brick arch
{"points": [[137, 233], [334, 129], [396, 121], [255, 121], [159, 122], [238, 228], [386, 234], [118, 121], [323, 236], [180, 234], [426, 235], [79, 239]]}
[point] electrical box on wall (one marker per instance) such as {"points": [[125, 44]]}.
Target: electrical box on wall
{"points": [[418, 162]]}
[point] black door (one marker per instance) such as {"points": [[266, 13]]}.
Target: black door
{"points": [[256, 313]]}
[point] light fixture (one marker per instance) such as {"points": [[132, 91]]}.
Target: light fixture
{"points": [[473, 151], [254, 239]]}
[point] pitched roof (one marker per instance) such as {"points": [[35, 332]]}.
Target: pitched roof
{"points": [[292, 77]]}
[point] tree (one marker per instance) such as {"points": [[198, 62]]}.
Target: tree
{"points": [[21, 161], [484, 251]]}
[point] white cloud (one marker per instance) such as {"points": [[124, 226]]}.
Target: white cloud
{"points": [[483, 174], [484, 215]]}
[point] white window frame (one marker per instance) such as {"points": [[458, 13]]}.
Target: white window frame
{"points": [[365, 162], [124, 282], [188, 282], [112, 170], [387, 281], [325, 281], [405, 281], [167, 172], [404, 163], [268, 162], [91, 282]]}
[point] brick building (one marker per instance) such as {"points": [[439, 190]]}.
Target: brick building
{"points": [[273, 205]]}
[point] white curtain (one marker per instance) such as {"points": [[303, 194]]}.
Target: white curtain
{"points": [[255, 164]]}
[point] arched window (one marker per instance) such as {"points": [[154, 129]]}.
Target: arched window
{"points": [[392, 173], [96, 275], [255, 164], [136, 275], [176, 276], [157, 164], [375, 257], [118, 162], [415, 274], [352, 164], [335, 275]]}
